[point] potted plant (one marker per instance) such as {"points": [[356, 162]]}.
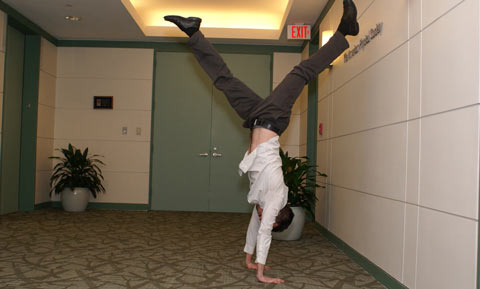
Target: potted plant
{"points": [[75, 176], [301, 179]]}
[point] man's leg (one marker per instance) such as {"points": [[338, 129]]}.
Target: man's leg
{"points": [[241, 97], [277, 107]]}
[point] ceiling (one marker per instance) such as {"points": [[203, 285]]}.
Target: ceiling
{"points": [[110, 20]]}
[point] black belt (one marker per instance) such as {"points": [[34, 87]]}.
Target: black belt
{"points": [[265, 124]]}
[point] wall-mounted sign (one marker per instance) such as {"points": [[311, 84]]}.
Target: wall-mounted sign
{"points": [[374, 32], [103, 102], [298, 32]]}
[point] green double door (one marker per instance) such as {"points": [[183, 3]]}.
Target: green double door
{"points": [[198, 139]]}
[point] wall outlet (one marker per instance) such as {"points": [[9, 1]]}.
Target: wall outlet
{"points": [[124, 130], [139, 131]]}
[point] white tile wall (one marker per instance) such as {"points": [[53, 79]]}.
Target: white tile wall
{"points": [[371, 161], [447, 251], [352, 215], [450, 60], [401, 141], [376, 97], [449, 162]]}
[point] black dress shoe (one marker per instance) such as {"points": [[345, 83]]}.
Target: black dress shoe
{"points": [[348, 24], [188, 25]]}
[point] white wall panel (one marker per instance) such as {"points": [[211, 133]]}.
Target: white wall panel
{"points": [[109, 63], [450, 60], [101, 124], [48, 57], [373, 161], [125, 187], [414, 76], [394, 15], [447, 254], [128, 94], [374, 98], [449, 162], [413, 161], [411, 249], [434, 9], [324, 117], [354, 215], [44, 151], [46, 89], [414, 17], [291, 136], [118, 156], [45, 121]]}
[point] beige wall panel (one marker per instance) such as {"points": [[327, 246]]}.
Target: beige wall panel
{"points": [[323, 159], [325, 84], [450, 60], [414, 17], [110, 63], [434, 9], [446, 251], [324, 117], [46, 121], [42, 187], [293, 151], [449, 162], [128, 94], [291, 136], [3, 31], [394, 15], [131, 188], [48, 57], [321, 207], [304, 94], [414, 76], [373, 161], [413, 161], [354, 215], [118, 156], [45, 149], [1, 112], [101, 125], [410, 251], [46, 89], [2, 70], [283, 63], [303, 150], [303, 131], [376, 97]]}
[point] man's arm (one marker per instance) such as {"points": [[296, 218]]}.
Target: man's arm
{"points": [[264, 239]]}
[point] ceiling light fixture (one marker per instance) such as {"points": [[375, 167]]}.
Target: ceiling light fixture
{"points": [[73, 18]]}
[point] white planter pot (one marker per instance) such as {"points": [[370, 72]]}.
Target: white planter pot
{"points": [[294, 231], [76, 200]]}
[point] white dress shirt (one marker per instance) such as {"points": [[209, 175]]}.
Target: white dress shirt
{"points": [[268, 190]]}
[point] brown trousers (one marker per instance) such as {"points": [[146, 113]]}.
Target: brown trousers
{"points": [[277, 107]]}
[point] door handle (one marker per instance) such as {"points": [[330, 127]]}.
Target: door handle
{"points": [[203, 155], [216, 155]]}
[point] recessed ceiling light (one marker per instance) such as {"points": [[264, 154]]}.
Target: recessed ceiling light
{"points": [[73, 18]]}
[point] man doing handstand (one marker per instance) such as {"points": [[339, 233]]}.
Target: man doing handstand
{"points": [[267, 119]]}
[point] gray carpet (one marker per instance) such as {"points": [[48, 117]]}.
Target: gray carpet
{"points": [[124, 249]]}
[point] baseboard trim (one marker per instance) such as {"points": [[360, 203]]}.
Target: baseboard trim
{"points": [[100, 206], [377, 272]]}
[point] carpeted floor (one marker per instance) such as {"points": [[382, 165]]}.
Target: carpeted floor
{"points": [[125, 249]]}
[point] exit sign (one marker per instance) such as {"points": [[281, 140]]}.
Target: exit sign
{"points": [[299, 32]]}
